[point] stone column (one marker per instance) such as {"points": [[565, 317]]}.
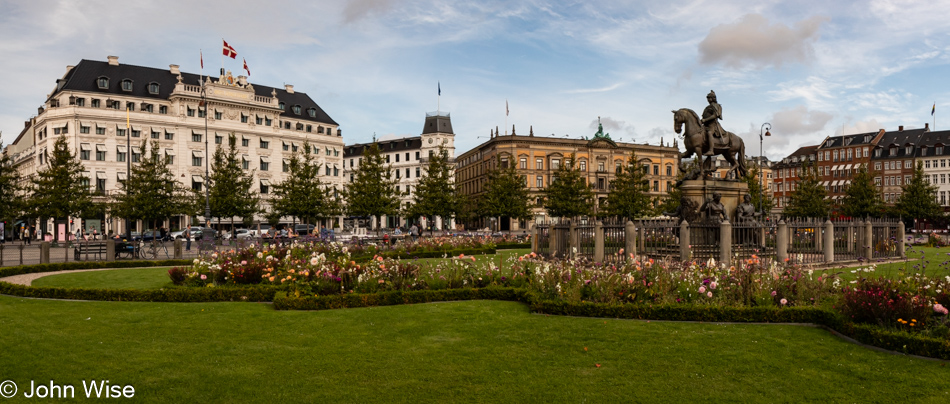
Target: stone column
{"points": [[44, 252], [176, 249], [868, 240], [686, 252], [110, 249], [573, 240], [599, 241], [829, 246], [901, 238], [781, 241], [552, 240], [641, 239], [630, 239], [725, 243]]}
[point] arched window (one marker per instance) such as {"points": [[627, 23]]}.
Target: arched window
{"points": [[312, 112], [126, 85], [153, 88], [296, 109], [281, 105], [103, 83]]}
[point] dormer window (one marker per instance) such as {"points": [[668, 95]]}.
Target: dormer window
{"points": [[281, 105], [312, 112], [847, 141], [893, 151], [103, 83], [877, 152], [908, 150], [127, 85], [319, 129], [296, 110], [867, 138], [153, 88], [923, 151], [939, 150]]}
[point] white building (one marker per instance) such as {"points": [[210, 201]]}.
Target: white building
{"points": [[408, 157], [92, 100]]}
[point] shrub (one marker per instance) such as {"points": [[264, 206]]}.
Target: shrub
{"points": [[885, 302]]}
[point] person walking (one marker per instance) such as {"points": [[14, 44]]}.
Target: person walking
{"points": [[187, 239], [26, 235], [414, 232]]}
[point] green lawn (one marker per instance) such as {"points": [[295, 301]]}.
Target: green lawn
{"points": [[476, 351], [933, 261], [131, 278]]}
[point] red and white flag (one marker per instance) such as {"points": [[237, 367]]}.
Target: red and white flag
{"points": [[228, 50], [245, 67]]}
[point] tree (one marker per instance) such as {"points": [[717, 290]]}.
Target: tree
{"points": [[373, 190], [862, 199], [303, 194], [809, 198], [151, 191], [59, 190], [918, 199], [10, 192], [629, 192], [231, 190], [760, 199], [506, 194], [568, 195], [435, 191]]}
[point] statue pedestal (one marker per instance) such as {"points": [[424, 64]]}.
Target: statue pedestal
{"points": [[732, 191]]}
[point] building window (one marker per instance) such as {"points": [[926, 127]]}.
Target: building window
{"points": [[656, 186], [195, 137], [195, 185], [120, 156], [418, 171], [656, 170], [169, 159], [417, 155], [264, 144], [100, 130], [583, 165], [312, 112], [540, 182], [217, 114], [163, 109], [127, 85], [103, 83], [80, 102], [245, 142], [202, 112], [285, 167], [267, 121], [555, 164], [136, 156], [156, 134], [600, 167], [136, 133], [245, 164], [84, 154], [296, 110], [281, 105], [397, 157], [938, 150], [100, 154], [189, 111], [95, 103], [264, 165], [522, 164], [265, 188], [243, 118], [196, 161], [83, 129]]}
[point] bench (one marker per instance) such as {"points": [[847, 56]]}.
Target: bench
{"points": [[85, 249]]}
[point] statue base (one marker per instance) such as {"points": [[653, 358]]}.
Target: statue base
{"points": [[701, 190]]}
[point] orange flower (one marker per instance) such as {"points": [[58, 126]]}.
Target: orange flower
{"points": [[597, 364]]}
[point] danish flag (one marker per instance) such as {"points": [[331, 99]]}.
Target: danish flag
{"points": [[245, 67], [228, 50]]}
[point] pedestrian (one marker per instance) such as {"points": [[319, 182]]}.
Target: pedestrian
{"points": [[26, 235], [95, 233], [414, 232], [187, 239]]}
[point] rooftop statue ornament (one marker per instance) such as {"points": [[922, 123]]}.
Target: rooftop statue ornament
{"points": [[600, 131], [705, 137]]}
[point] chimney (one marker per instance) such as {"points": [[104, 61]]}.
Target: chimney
{"points": [[113, 60], [927, 127], [174, 69], [289, 88], [900, 128]]}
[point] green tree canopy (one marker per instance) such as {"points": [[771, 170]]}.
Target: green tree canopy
{"points": [[151, 191], [918, 199], [373, 190], [232, 191], [568, 195], [629, 192], [809, 197], [59, 189], [435, 192], [862, 199], [302, 194], [505, 194], [10, 193]]}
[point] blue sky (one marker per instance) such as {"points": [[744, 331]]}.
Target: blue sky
{"points": [[810, 68]]}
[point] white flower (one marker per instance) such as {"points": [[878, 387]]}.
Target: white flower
{"points": [[314, 261], [260, 254], [196, 261]]}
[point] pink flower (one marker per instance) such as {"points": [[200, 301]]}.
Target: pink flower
{"points": [[938, 308], [243, 262], [203, 277], [713, 285], [783, 301], [702, 289], [774, 293]]}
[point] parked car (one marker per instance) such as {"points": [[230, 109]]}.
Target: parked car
{"points": [[195, 233], [303, 229], [241, 234]]}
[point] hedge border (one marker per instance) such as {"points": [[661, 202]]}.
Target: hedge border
{"points": [[511, 246], [69, 266], [285, 302], [166, 295]]}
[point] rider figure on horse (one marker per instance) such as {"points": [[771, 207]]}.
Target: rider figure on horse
{"points": [[711, 116]]}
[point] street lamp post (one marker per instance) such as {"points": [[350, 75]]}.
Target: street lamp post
{"points": [[761, 156]]}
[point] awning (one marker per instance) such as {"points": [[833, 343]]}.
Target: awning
{"points": [[286, 161], [265, 181], [170, 152], [100, 125], [101, 175], [136, 150], [121, 149], [196, 153], [169, 133], [294, 144], [101, 147], [137, 127], [85, 146], [197, 178], [265, 159], [245, 158], [86, 174], [834, 168], [243, 137], [849, 166], [122, 176]]}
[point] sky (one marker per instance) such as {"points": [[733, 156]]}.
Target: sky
{"points": [[811, 69]]}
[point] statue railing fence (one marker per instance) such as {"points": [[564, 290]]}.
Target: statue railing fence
{"points": [[802, 241]]}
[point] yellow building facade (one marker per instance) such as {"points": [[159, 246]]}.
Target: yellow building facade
{"points": [[537, 158]]}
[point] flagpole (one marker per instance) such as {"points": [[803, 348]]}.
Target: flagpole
{"points": [[506, 117], [438, 103]]}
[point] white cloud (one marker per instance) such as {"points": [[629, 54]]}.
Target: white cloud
{"points": [[751, 41]]}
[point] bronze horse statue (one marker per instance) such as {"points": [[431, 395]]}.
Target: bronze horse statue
{"points": [[694, 139]]}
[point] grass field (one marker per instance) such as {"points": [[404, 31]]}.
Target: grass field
{"points": [[476, 351]]}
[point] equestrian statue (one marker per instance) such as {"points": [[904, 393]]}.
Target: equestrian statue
{"points": [[704, 137]]}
